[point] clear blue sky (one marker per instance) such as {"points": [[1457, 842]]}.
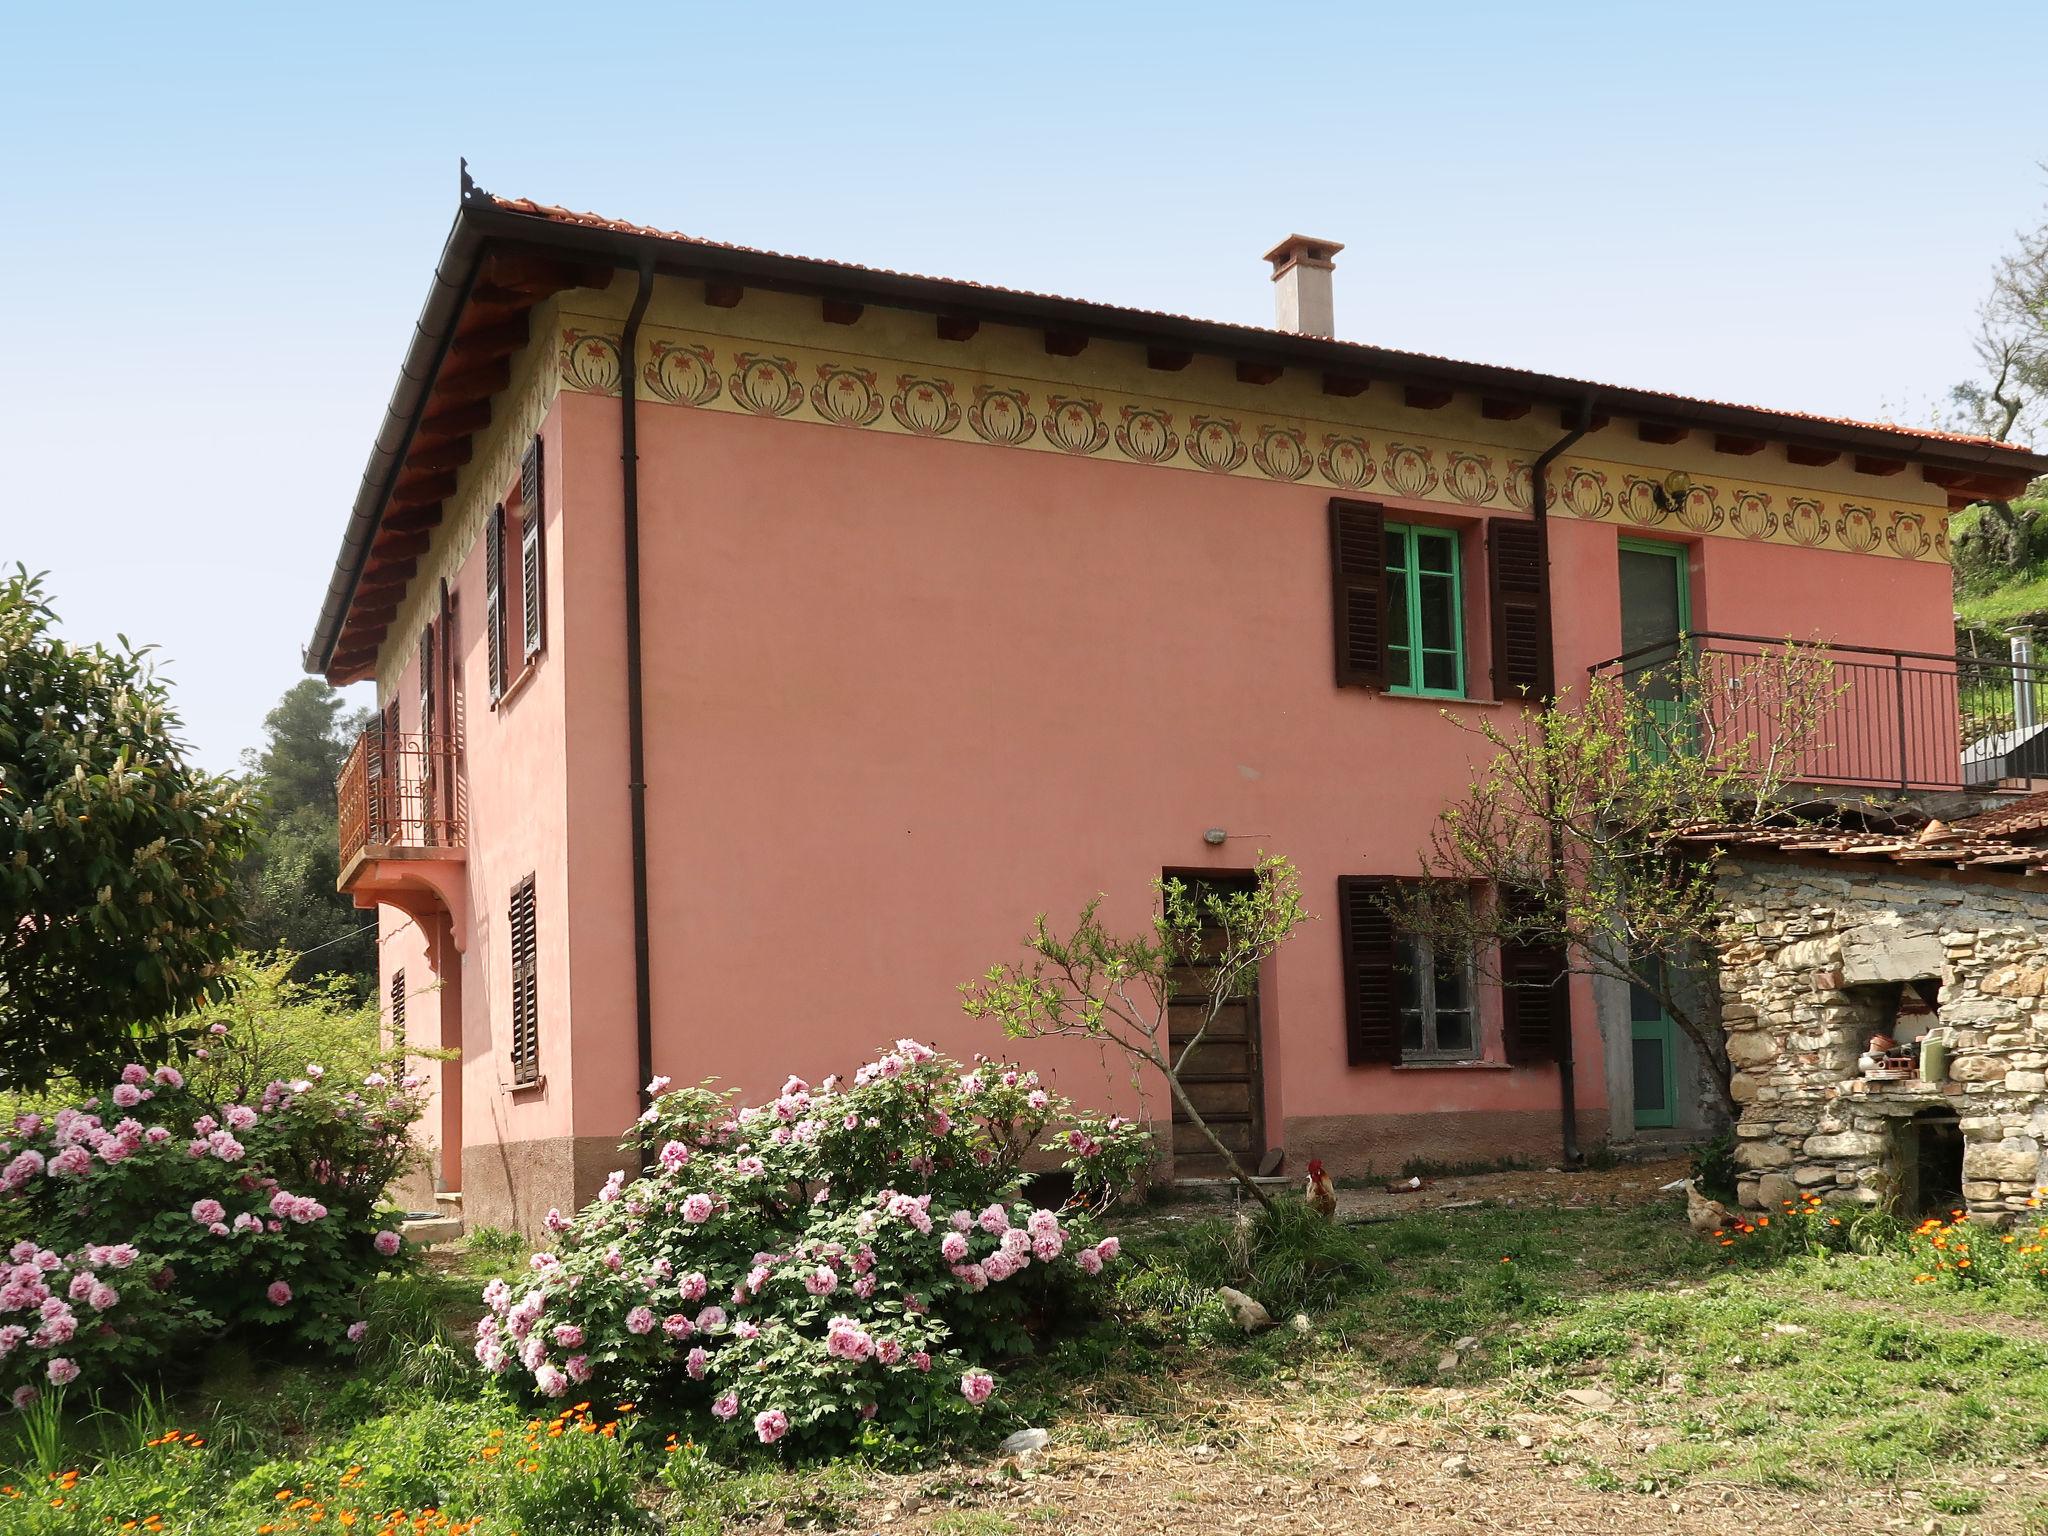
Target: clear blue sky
{"points": [[218, 221]]}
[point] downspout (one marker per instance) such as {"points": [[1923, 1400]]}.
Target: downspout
{"points": [[636, 729], [1539, 503]]}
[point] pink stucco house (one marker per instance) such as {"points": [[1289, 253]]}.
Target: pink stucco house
{"points": [[762, 642]]}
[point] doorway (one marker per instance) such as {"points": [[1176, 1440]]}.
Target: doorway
{"points": [[1653, 1044], [1222, 1075], [1656, 610]]}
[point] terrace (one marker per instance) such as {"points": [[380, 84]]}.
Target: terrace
{"points": [[401, 803], [1906, 721]]}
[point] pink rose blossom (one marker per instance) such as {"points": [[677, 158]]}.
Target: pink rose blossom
{"points": [[725, 1406], [127, 1095], [551, 1382], [62, 1371], [387, 1243], [356, 1330], [921, 1360], [207, 1212], [697, 1208], [640, 1320], [696, 1363], [170, 1077], [568, 1336], [578, 1367], [821, 1281], [771, 1426], [677, 1326], [279, 1293], [976, 1386], [995, 1219]]}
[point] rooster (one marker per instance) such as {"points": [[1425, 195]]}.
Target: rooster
{"points": [[1320, 1194]]}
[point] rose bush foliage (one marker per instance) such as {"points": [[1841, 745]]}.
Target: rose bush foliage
{"points": [[150, 1217], [838, 1264]]}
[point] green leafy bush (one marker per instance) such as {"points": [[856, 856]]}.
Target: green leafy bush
{"points": [[836, 1265], [151, 1216]]}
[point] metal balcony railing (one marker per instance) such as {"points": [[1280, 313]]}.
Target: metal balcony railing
{"points": [[400, 789], [1900, 720]]}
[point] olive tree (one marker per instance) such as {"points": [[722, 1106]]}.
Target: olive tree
{"points": [[118, 897]]}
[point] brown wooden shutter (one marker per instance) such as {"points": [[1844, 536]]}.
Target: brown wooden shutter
{"points": [[531, 527], [1372, 1020], [494, 598], [525, 986], [1358, 571], [1535, 1000], [1521, 617], [398, 1003]]}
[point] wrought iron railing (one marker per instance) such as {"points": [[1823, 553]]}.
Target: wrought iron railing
{"points": [[1902, 720], [400, 789]]}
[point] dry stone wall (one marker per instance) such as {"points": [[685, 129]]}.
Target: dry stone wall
{"points": [[1805, 961]]}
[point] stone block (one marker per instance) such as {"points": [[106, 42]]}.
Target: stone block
{"points": [[1774, 1189], [1845, 1144], [1751, 1049], [1742, 1087], [1977, 1069], [1762, 1154], [2017, 1158], [1873, 954], [2026, 1082]]}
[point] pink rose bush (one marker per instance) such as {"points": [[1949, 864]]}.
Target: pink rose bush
{"points": [[843, 1262], [135, 1225]]}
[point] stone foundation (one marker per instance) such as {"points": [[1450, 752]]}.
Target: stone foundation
{"points": [[1806, 961], [513, 1184], [1357, 1146]]}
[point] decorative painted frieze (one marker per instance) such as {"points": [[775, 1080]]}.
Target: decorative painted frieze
{"points": [[798, 383]]}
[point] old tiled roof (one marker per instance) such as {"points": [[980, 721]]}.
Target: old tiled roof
{"points": [[504, 255], [555, 214], [2023, 820], [1933, 848]]}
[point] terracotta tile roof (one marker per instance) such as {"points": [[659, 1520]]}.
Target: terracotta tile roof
{"points": [[556, 214], [2020, 820], [1934, 846]]}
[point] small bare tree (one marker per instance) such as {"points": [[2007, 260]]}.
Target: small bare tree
{"points": [[1574, 831], [1204, 952]]}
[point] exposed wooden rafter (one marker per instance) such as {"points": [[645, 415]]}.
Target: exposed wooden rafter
{"points": [[1800, 453], [957, 327], [1499, 408], [724, 295], [1168, 359], [1870, 464], [1258, 373], [1662, 432], [1742, 447], [1425, 397], [1345, 385], [1065, 343], [841, 311]]}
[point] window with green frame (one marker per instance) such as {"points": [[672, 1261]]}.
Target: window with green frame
{"points": [[1425, 613]]}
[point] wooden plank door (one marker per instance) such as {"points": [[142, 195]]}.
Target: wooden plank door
{"points": [[1221, 1077]]}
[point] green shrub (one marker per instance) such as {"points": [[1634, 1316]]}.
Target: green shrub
{"points": [[837, 1265]]}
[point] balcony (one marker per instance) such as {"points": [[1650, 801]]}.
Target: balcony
{"points": [[401, 805], [1898, 720]]}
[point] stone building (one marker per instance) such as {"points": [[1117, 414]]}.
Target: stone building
{"points": [[1834, 938]]}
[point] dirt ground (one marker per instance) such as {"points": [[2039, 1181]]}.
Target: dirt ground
{"points": [[1314, 1458]]}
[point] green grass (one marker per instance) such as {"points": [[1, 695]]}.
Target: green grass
{"points": [[1774, 1363]]}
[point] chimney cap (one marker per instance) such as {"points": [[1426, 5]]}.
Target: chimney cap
{"points": [[1303, 250]]}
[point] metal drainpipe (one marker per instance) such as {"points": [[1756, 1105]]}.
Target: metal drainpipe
{"points": [[636, 732], [1539, 503]]}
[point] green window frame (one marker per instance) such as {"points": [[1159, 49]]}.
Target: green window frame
{"points": [[1425, 612]]}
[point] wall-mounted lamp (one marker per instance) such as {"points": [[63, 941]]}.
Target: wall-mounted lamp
{"points": [[1214, 837], [1670, 496]]}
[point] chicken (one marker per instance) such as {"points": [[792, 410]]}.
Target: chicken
{"points": [[1704, 1214], [1320, 1194]]}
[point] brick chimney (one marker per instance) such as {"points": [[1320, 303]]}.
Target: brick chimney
{"points": [[1301, 284]]}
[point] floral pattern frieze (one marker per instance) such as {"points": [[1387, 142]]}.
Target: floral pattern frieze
{"points": [[797, 383]]}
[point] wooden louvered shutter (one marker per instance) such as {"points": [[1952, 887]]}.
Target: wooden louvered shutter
{"points": [[532, 602], [1521, 616], [494, 598], [1535, 999], [1358, 571], [1372, 1020], [525, 987], [398, 1004]]}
